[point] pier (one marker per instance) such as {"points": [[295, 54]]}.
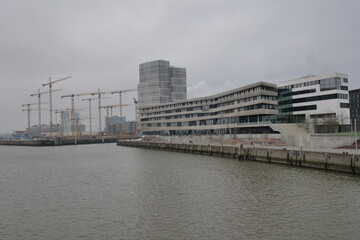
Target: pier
{"points": [[341, 162]]}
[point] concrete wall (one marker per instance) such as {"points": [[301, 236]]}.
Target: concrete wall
{"points": [[327, 161], [300, 140]]}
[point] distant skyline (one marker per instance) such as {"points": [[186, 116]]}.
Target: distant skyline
{"points": [[222, 44]]}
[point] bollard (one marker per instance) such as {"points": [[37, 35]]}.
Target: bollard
{"points": [[269, 155]]}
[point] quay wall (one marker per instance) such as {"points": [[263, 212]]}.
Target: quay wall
{"points": [[328, 161], [56, 142], [300, 140]]}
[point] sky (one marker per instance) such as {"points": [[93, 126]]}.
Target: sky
{"points": [[223, 44]]}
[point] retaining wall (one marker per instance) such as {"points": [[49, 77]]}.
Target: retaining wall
{"points": [[300, 140], [327, 161], [56, 142]]}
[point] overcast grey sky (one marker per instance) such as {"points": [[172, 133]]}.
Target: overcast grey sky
{"points": [[223, 44]]}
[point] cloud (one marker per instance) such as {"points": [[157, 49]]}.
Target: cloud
{"points": [[222, 44]]}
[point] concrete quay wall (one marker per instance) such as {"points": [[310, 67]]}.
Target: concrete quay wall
{"points": [[300, 140], [320, 160], [57, 142]]}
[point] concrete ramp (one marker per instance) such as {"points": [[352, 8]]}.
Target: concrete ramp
{"points": [[290, 128]]}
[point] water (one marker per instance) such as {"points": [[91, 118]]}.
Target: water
{"points": [[110, 192]]}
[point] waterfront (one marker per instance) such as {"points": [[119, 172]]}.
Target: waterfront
{"points": [[108, 192]]}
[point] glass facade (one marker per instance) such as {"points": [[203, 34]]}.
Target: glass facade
{"points": [[161, 83], [294, 104], [226, 111]]}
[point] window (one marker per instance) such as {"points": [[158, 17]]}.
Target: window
{"points": [[344, 105]]}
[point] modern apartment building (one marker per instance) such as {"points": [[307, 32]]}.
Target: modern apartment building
{"points": [[161, 83], [232, 111], [315, 98]]}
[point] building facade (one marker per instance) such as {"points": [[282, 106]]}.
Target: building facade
{"points": [[227, 112], [66, 120], [112, 124], [319, 99], [161, 83], [130, 127], [354, 99]]}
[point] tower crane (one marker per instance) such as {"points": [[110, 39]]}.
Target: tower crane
{"points": [[90, 116], [136, 117], [61, 111], [110, 107], [28, 109], [38, 94], [78, 119], [50, 84], [120, 105], [72, 113], [99, 93]]}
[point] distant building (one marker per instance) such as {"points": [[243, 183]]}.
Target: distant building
{"points": [[79, 128], [112, 124], [129, 127], [161, 83], [19, 135], [66, 119], [355, 107]]}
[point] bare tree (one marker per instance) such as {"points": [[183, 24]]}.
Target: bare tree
{"points": [[307, 123], [342, 120], [331, 124]]}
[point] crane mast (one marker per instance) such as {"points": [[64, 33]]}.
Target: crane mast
{"points": [[72, 111], [38, 94], [50, 84], [110, 121], [136, 117], [120, 110], [28, 114]]}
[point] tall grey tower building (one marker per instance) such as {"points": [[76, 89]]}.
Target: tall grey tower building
{"points": [[161, 83]]}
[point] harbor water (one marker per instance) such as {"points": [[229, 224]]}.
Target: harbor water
{"points": [[103, 191]]}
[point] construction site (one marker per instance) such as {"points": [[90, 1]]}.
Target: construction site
{"points": [[97, 123]]}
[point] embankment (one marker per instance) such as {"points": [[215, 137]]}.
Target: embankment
{"points": [[319, 160], [56, 142]]}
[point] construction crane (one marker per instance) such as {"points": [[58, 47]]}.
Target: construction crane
{"points": [[38, 94], [72, 111], [90, 115], [99, 93], [136, 117], [28, 109], [50, 84], [78, 121], [110, 107], [62, 111], [120, 92]]}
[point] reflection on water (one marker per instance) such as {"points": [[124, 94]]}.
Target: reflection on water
{"points": [[110, 192]]}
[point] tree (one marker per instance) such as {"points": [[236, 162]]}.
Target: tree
{"points": [[331, 124]]}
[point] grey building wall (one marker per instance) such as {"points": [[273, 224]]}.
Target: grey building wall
{"points": [[220, 113], [112, 123], [178, 84], [161, 83], [354, 100]]}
